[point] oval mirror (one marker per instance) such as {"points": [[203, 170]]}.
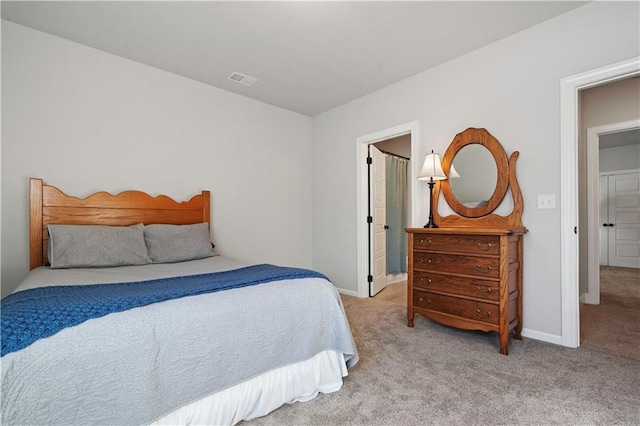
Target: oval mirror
{"points": [[476, 176], [482, 167]]}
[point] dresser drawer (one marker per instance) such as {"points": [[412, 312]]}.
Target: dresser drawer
{"points": [[462, 264], [472, 244], [485, 312], [482, 289]]}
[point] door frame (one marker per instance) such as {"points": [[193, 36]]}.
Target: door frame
{"points": [[569, 108], [362, 193], [593, 203]]}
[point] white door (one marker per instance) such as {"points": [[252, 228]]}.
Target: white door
{"points": [[624, 220], [379, 213]]}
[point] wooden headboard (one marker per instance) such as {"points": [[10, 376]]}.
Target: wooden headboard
{"points": [[49, 205]]}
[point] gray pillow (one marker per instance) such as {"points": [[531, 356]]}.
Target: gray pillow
{"points": [[92, 246], [178, 243]]}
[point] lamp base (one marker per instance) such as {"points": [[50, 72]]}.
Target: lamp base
{"points": [[431, 223]]}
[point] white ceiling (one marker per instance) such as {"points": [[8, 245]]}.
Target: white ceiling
{"points": [[308, 57]]}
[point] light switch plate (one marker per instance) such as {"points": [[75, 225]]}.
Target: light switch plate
{"points": [[547, 201]]}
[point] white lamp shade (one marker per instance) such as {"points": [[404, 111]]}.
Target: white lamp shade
{"points": [[432, 168], [453, 173]]}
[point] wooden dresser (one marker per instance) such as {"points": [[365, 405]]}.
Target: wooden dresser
{"points": [[465, 269], [467, 278]]}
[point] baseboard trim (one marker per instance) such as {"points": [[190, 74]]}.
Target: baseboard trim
{"points": [[539, 335], [347, 292]]}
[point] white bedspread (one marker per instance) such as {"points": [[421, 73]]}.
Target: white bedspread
{"points": [[135, 367]]}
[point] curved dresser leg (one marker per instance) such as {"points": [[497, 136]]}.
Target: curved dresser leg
{"points": [[518, 332], [504, 341]]}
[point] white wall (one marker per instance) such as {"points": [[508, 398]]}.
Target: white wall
{"points": [[84, 120], [619, 158], [609, 103], [511, 88], [400, 145]]}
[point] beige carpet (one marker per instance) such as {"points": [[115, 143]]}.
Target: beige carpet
{"points": [[437, 375], [613, 326], [394, 293]]}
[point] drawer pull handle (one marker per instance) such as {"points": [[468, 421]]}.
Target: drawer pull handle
{"points": [[422, 281], [484, 246], [486, 314], [422, 300], [422, 242], [422, 261], [487, 290], [484, 269]]}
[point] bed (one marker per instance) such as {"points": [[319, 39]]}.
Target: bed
{"points": [[188, 338]]}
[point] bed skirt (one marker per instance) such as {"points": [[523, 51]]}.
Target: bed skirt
{"points": [[259, 396]]}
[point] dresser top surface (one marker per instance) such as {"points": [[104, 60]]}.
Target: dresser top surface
{"points": [[467, 231]]}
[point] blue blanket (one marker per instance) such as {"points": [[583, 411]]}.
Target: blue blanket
{"points": [[37, 313]]}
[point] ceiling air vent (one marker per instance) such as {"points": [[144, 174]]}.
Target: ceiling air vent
{"points": [[245, 80]]}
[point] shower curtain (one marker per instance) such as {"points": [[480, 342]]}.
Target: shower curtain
{"points": [[396, 193]]}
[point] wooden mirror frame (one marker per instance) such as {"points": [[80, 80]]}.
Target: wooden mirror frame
{"points": [[481, 216]]}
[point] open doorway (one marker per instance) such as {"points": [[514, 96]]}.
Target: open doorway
{"points": [[610, 142], [610, 292], [406, 137], [570, 236], [613, 200]]}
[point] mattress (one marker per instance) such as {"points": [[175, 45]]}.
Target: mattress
{"points": [[214, 358]]}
